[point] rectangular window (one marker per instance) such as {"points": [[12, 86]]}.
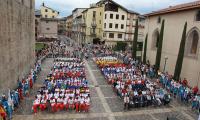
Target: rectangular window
{"points": [[116, 26], [104, 34], [198, 16], [110, 25], [122, 17], [117, 16], [111, 35], [46, 16], [119, 35], [139, 46], [94, 14], [105, 16], [100, 13], [122, 26], [104, 25], [111, 16], [99, 21], [46, 10], [47, 28]]}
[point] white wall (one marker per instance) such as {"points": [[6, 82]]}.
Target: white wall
{"points": [[174, 24]]}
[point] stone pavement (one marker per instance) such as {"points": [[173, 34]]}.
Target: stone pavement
{"points": [[105, 104]]}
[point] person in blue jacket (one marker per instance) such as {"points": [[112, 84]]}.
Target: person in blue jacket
{"points": [[7, 107]]}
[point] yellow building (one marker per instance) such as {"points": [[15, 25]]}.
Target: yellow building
{"points": [[48, 12], [92, 22]]}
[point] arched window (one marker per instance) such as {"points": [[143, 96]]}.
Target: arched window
{"points": [[155, 39], [192, 42], [195, 39]]}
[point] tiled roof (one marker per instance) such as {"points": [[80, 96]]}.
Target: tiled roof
{"points": [[180, 7], [105, 1], [37, 13]]}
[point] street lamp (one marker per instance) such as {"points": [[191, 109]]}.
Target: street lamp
{"points": [[166, 58]]}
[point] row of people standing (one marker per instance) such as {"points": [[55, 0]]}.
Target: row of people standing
{"points": [[11, 101], [181, 90]]}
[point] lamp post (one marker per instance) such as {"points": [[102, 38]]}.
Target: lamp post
{"points": [[166, 58]]}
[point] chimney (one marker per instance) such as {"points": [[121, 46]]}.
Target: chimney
{"points": [[43, 4]]}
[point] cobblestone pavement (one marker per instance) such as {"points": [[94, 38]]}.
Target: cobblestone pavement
{"points": [[105, 104]]}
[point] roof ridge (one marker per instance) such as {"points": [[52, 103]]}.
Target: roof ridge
{"points": [[183, 6]]}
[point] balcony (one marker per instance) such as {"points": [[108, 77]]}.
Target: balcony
{"points": [[83, 33], [93, 24], [83, 23], [93, 34]]}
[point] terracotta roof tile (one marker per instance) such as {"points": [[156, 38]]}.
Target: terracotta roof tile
{"points": [[181, 7]]}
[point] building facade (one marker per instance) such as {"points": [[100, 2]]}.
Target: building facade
{"points": [[62, 26], [48, 12], [49, 27], [76, 25], [37, 24], [17, 46], [92, 22], [175, 18], [69, 26]]}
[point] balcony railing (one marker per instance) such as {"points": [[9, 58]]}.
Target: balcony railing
{"points": [[93, 24], [93, 34], [83, 24]]}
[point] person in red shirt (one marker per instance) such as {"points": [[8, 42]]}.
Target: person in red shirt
{"points": [[2, 112]]}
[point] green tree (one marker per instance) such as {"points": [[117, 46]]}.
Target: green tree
{"points": [[134, 45], [179, 61], [120, 46], [145, 49], [159, 49]]}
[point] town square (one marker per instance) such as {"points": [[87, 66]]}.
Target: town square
{"points": [[99, 60]]}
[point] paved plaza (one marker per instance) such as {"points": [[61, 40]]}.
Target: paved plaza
{"points": [[105, 105]]}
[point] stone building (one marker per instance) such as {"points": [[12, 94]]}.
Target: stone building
{"points": [[48, 12], [62, 26], [91, 24], [49, 28], [17, 41], [175, 18], [37, 24], [69, 25], [76, 25]]}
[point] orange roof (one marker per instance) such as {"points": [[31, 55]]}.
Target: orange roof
{"points": [[181, 7]]}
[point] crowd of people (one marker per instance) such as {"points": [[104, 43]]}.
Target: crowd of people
{"points": [[11, 101], [131, 83], [65, 88], [181, 90]]}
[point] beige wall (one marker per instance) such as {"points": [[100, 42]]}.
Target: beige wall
{"points": [[174, 24], [53, 28], [50, 13], [88, 19], [17, 41]]}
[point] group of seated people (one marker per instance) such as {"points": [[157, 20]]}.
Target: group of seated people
{"points": [[65, 88], [131, 81]]}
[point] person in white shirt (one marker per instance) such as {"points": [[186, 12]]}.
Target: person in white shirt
{"points": [[71, 103], [87, 104], [126, 102], [82, 104]]}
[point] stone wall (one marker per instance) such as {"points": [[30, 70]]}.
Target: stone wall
{"points": [[17, 41]]}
